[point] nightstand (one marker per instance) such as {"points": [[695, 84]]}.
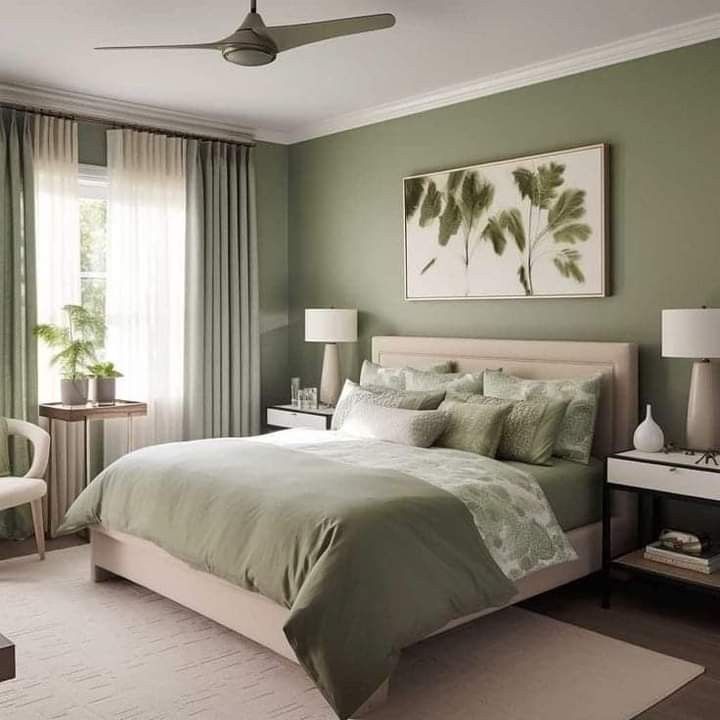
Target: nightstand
{"points": [[289, 416], [673, 475]]}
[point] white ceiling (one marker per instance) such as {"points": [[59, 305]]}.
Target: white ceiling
{"points": [[433, 46]]}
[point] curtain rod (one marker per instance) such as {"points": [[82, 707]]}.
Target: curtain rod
{"points": [[117, 125]]}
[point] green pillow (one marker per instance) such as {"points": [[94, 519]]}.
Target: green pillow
{"points": [[575, 439], [373, 374], [418, 380], [475, 428], [4, 451], [530, 429]]}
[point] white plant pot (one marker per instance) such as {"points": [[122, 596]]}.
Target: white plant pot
{"points": [[648, 435], [74, 392]]}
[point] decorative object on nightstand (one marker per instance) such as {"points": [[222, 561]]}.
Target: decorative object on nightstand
{"points": [[295, 391], [330, 326], [695, 333], [670, 474], [648, 435], [289, 416]]}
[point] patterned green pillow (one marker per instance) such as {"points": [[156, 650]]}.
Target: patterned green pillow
{"points": [[531, 427], [457, 382], [352, 394], [4, 451], [373, 374], [575, 439], [475, 428]]}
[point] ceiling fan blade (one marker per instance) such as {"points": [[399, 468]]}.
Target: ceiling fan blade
{"points": [[197, 46], [291, 36]]}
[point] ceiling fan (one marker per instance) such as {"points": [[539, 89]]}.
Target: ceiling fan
{"points": [[254, 43]]}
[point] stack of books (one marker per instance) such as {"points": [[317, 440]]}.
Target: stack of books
{"points": [[707, 561]]}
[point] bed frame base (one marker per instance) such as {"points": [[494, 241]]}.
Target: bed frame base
{"points": [[261, 620]]}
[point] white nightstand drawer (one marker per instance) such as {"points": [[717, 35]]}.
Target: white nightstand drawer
{"points": [[293, 419], [665, 478]]}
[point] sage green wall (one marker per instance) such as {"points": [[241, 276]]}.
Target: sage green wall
{"points": [[661, 116], [271, 175]]}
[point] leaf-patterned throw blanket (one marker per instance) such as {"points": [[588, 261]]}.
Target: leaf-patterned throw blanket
{"points": [[509, 508]]}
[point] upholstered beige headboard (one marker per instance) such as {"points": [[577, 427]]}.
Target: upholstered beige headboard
{"points": [[542, 359]]}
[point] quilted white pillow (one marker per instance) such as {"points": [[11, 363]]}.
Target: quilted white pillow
{"points": [[419, 428]]}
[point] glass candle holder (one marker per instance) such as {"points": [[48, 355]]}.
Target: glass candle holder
{"points": [[295, 391]]}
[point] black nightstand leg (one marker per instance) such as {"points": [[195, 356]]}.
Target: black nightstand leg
{"points": [[606, 542]]}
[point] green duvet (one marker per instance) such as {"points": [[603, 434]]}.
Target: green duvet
{"points": [[367, 560]]}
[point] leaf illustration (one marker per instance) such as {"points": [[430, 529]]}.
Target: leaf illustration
{"points": [[525, 180], [413, 193], [566, 262], [428, 265], [523, 280], [511, 220], [494, 233], [548, 179], [454, 180], [572, 233], [431, 206], [476, 196], [569, 206], [449, 221]]}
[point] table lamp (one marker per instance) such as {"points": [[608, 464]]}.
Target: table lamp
{"points": [[330, 326], [695, 333]]}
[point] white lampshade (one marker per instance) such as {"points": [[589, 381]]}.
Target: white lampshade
{"points": [[691, 333], [331, 325]]}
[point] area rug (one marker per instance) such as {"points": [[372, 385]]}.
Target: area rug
{"points": [[116, 651]]}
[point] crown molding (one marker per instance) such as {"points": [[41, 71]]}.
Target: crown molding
{"points": [[102, 108], [636, 46], [108, 109]]}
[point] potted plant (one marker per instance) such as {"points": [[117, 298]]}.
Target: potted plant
{"points": [[76, 344], [104, 375]]}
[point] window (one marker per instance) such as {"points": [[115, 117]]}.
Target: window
{"points": [[93, 238]]}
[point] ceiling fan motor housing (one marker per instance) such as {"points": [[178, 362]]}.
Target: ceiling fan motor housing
{"points": [[250, 45]]}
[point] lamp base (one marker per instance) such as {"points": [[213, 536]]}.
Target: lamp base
{"points": [[330, 381], [703, 418]]}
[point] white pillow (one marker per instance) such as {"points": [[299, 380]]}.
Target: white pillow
{"points": [[352, 393], [418, 428], [372, 374]]}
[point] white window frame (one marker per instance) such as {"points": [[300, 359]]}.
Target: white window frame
{"points": [[93, 186]]}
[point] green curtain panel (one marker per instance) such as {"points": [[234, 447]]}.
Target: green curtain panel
{"points": [[222, 337], [18, 348]]}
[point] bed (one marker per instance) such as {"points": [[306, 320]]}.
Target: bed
{"points": [[575, 501]]}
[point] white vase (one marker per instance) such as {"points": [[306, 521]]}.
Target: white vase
{"points": [[648, 435]]}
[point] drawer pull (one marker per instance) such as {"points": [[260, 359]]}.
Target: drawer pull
{"points": [[672, 469]]}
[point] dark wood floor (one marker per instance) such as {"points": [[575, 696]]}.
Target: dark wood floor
{"points": [[668, 619]]}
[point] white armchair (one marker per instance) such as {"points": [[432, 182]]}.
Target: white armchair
{"points": [[31, 488]]}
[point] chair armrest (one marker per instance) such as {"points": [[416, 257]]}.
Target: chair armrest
{"points": [[41, 445]]}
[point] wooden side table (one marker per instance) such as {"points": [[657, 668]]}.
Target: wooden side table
{"points": [[7, 659], [127, 409], [91, 411]]}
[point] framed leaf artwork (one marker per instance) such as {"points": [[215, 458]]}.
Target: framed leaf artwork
{"points": [[531, 227]]}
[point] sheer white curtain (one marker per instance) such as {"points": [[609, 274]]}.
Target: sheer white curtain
{"points": [[145, 301], [57, 228], [57, 237]]}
